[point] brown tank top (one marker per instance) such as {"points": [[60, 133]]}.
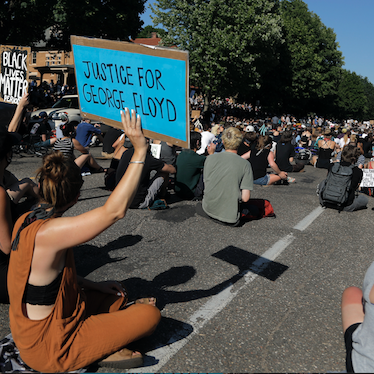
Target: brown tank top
{"points": [[43, 343]]}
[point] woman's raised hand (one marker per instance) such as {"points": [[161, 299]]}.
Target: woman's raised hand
{"points": [[133, 129]]}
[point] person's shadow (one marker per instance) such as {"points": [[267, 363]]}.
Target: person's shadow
{"points": [[88, 257], [244, 260]]}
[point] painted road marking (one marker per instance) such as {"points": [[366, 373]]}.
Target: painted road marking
{"points": [[218, 302]]}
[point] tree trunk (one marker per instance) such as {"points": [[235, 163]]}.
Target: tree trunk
{"points": [[207, 98]]}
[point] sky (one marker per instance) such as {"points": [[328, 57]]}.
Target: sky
{"points": [[351, 21]]}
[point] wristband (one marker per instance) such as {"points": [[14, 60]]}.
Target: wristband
{"points": [[137, 162]]}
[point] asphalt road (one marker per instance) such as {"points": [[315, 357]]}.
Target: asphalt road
{"points": [[264, 297]]}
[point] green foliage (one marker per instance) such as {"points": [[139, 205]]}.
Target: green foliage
{"points": [[148, 30], [312, 57], [369, 93], [23, 22], [231, 43], [109, 19], [352, 101]]}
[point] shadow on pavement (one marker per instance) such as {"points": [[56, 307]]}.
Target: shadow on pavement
{"points": [[249, 261], [89, 257], [244, 260]]}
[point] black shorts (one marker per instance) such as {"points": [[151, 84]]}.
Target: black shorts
{"points": [[348, 346]]}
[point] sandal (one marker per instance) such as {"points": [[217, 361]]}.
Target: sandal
{"points": [[123, 359], [143, 300], [101, 170]]}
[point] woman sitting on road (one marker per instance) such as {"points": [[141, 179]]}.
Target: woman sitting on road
{"points": [[326, 147], [260, 157], [67, 144], [56, 325]]}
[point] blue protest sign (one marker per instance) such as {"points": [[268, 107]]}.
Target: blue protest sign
{"points": [[113, 75]]}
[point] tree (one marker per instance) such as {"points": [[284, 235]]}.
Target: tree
{"points": [[22, 22], [148, 30], [352, 101], [313, 59], [369, 93], [108, 19], [231, 43]]}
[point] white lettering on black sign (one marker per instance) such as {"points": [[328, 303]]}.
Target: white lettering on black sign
{"points": [[13, 82]]}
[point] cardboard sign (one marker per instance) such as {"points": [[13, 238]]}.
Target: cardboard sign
{"points": [[195, 113], [13, 72], [367, 178], [112, 75]]}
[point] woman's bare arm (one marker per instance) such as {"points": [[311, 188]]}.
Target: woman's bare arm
{"points": [[65, 232]]}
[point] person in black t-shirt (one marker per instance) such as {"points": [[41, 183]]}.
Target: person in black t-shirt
{"points": [[285, 153], [148, 187]]}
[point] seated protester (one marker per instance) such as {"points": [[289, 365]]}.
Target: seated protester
{"points": [[285, 153], [148, 188], [61, 322], [228, 181], [110, 138], [357, 316], [249, 141], [168, 154], [326, 148], [188, 179], [84, 132], [42, 127], [66, 145], [349, 157], [361, 158], [370, 164], [306, 138], [41, 132], [206, 138], [121, 145], [217, 131], [367, 146], [260, 157]]}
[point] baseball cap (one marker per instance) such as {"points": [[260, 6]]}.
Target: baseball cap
{"points": [[250, 128]]}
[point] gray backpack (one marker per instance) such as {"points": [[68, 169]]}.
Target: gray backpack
{"points": [[334, 190]]}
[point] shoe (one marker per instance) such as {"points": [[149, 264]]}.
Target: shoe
{"points": [[101, 170], [158, 205], [291, 180], [123, 359], [85, 173]]}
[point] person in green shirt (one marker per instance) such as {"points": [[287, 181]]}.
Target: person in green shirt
{"points": [[188, 179]]}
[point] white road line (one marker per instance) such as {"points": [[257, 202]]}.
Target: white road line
{"points": [[218, 302], [304, 223], [212, 307]]}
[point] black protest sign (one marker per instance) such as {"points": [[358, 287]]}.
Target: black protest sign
{"points": [[13, 72]]}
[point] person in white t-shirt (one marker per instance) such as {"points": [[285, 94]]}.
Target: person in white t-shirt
{"points": [[206, 138]]}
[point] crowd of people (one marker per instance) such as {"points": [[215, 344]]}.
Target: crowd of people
{"points": [[56, 314]]}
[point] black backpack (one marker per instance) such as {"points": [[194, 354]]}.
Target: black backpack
{"points": [[334, 190]]}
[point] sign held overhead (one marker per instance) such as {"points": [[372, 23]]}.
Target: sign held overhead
{"points": [[13, 72], [113, 75]]}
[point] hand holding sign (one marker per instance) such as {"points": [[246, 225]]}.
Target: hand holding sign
{"points": [[112, 75], [133, 130]]}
